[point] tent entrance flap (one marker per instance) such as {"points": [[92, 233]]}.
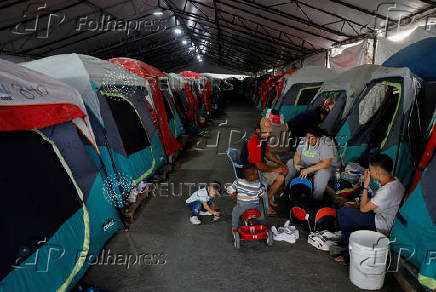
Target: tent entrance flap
{"points": [[48, 202], [132, 132]]}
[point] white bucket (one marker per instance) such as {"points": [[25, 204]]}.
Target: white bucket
{"points": [[368, 257]]}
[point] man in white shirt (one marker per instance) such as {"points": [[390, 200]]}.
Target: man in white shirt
{"points": [[377, 213]]}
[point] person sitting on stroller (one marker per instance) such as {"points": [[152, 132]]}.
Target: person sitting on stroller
{"points": [[315, 155], [248, 191]]}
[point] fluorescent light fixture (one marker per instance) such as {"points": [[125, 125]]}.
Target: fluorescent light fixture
{"points": [[184, 42], [177, 31]]}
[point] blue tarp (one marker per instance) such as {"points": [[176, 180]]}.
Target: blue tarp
{"points": [[419, 57]]}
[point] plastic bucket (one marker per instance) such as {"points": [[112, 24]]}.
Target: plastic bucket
{"points": [[368, 258]]}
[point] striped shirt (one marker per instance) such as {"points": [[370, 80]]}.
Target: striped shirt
{"points": [[248, 191]]}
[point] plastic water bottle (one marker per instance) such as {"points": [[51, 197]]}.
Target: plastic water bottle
{"points": [[337, 179]]}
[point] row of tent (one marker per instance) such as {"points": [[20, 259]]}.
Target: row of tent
{"points": [[386, 109], [77, 135]]}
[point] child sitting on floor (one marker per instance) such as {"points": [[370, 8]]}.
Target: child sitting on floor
{"points": [[248, 191], [201, 202]]}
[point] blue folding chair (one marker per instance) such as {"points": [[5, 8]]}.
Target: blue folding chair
{"points": [[234, 155]]}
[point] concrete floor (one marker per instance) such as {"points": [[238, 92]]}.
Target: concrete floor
{"points": [[202, 258]]}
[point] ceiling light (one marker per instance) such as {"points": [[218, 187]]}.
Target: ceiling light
{"points": [[401, 36], [177, 31], [184, 42], [158, 11]]}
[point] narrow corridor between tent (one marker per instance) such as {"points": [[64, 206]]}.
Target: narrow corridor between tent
{"points": [[180, 256]]}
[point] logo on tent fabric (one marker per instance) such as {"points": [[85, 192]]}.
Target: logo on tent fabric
{"points": [[31, 92], [5, 93], [116, 189], [108, 224], [34, 24]]}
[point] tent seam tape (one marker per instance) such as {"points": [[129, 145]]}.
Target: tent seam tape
{"points": [[83, 254], [427, 281], [397, 86]]}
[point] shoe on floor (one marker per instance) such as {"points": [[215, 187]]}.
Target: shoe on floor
{"points": [[216, 218], [194, 220], [205, 213], [319, 242]]}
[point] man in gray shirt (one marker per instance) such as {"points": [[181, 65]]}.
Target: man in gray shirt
{"points": [[315, 155], [377, 213]]}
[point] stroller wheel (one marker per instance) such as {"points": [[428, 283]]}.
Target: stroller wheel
{"points": [[236, 240], [269, 238]]}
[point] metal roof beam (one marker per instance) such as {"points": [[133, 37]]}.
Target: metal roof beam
{"points": [[259, 6], [243, 46], [258, 24], [266, 43], [263, 36], [275, 20]]}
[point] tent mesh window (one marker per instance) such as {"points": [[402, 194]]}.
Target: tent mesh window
{"points": [[129, 125], [375, 131], [329, 98], [306, 95], [384, 116], [38, 196], [168, 110], [301, 93]]}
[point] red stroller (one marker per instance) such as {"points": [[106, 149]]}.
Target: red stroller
{"points": [[250, 231]]}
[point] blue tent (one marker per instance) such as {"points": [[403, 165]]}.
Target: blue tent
{"points": [[419, 57], [61, 217]]}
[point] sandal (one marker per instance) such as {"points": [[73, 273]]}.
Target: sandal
{"points": [[272, 213]]}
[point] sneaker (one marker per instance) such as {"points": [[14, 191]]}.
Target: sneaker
{"points": [[282, 235], [319, 242], [204, 213], [336, 237], [194, 220], [290, 230], [287, 223], [216, 218]]}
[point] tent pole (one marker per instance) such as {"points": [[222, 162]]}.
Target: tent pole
{"points": [[374, 48]]}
